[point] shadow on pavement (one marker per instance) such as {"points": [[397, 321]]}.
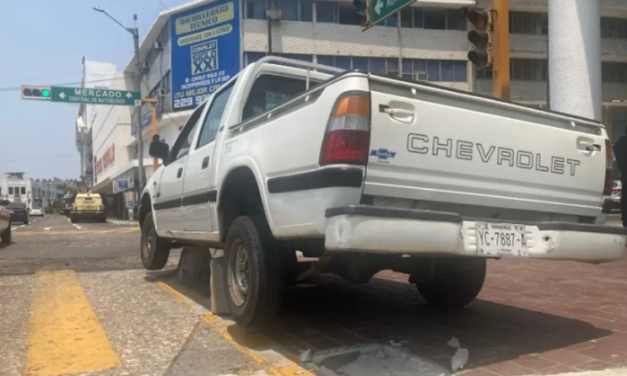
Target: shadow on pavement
{"points": [[330, 313]]}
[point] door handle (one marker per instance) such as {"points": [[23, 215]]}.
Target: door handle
{"points": [[586, 146], [399, 114], [205, 162], [179, 173]]}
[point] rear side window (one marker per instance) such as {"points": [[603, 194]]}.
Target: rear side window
{"points": [[270, 91]]}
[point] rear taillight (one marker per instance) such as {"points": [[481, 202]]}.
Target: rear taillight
{"points": [[609, 166], [347, 136]]}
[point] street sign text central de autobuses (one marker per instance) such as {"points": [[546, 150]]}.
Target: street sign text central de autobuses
{"points": [[95, 96]]}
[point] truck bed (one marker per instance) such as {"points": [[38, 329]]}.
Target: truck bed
{"points": [[436, 148]]}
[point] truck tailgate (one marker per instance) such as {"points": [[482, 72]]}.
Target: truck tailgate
{"points": [[436, 145]]}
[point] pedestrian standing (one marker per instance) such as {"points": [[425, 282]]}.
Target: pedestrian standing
{"points": [[620, 152]]}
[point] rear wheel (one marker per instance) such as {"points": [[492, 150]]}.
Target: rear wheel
{"points": [[454, 290], [5, 237], [154, 250], [253, 281]]}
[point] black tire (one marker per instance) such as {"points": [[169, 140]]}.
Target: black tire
{"points": [[455, 290], [154, 251], [5, 237], [264, 272]]}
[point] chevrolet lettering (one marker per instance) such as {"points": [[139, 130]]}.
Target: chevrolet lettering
{"points": [[502, 156]]}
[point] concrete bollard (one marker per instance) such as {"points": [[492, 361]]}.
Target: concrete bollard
{"points": [[194, 266], [219, 306]]}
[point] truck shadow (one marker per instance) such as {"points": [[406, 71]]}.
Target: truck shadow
{"points": [[328, 313]]}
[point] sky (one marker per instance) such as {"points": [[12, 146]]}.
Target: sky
{"points": [[42, 42]]}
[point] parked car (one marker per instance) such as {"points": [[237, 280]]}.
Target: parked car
{"points": [[5, 223], [368, 173], [36, 212], [19, 212]]}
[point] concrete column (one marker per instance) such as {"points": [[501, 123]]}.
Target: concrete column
{"points": [[575, 57]]}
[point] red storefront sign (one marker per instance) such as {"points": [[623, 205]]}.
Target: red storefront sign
{"points": [[106, 160]]}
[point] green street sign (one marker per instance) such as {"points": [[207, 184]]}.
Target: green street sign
{"points": [[382, 9], [95, 96]]}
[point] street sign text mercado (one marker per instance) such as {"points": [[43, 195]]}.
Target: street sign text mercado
{"points": [[382, 9], [95, 96]]}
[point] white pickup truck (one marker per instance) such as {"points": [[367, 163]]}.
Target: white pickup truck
{"points": [[5, 223], [367, 173]]}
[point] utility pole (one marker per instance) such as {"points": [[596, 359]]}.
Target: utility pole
{"points": [[138, 114], [501, 69], [134, 31]]}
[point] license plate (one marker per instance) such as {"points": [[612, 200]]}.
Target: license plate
{"points": [[89, 207], [501, 239]]}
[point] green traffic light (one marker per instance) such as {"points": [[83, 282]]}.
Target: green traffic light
{"points": [[45, 93]]}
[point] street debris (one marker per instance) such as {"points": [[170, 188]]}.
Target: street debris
{"points": [[460, 358], [374, 360]]}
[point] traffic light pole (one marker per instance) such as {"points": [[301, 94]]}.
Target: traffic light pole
{"points": [[500, 50]]}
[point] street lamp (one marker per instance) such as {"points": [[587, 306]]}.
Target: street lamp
{"points": [[138, 79]]}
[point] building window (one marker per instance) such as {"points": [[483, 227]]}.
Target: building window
{"points": [[252, 57], [528, 23], [165, 82], [164, 35], [435, 70], [301, 57], [613, 28], [614, 72], [348, 15], [528, 69], [256, 9], [376, 65], [296, 10], [326, 11]]}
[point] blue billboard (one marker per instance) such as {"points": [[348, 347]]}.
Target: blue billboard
{"points": [[206, 51]]}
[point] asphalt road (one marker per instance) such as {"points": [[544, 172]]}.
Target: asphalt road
{"points": [[74, 299]]}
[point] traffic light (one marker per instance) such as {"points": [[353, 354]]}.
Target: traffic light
{"points": [[38, 93], [481, 37], [362, 11]]}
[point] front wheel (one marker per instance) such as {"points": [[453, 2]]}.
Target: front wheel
{"points": [[253, 281], [5, 237], [154, 250], [454, 290]]}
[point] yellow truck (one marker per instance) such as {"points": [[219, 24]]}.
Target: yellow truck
{"points": [[88, 206]]}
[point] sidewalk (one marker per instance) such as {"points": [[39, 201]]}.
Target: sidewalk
{"points": [[122, 222]]}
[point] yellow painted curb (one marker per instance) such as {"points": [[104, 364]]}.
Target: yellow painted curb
{"points": [[270, 360]]}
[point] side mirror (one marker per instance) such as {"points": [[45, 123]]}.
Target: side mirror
{"points": [[159, 149], [4, 202]]}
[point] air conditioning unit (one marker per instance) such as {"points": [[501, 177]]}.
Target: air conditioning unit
{"points": [[145, 65], [161, 93], [421, 76], [158, 45], [274, 14]]}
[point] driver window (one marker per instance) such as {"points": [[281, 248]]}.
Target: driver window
{"points": [[184, 142]]}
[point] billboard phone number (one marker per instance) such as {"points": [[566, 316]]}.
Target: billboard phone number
{"points": [[189, 102]]}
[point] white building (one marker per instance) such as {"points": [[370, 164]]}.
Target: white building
{"points": [[113, 150], [95, 75]]}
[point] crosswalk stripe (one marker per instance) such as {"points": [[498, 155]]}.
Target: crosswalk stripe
{"points": [[64, 333]]}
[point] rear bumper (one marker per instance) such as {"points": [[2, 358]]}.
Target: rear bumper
{"points": [[368, 229], [87, 215]]}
